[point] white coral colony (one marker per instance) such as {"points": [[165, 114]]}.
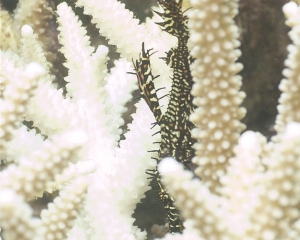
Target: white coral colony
{"points": [[249, 188]]}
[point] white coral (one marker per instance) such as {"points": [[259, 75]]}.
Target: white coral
{"points": [[115, 170]]}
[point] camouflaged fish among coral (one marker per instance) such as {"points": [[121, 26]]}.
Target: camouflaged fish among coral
{"points": [[184, 151]]}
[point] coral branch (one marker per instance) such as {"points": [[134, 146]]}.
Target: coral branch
{"points": [[60, 215], [15, 100], [194, 200], [216, 89], [289, 102], [16, 217], [42, 165]]}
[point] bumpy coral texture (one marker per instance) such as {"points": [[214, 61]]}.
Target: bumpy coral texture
{"points": [[248, 187], [216, 88]]}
